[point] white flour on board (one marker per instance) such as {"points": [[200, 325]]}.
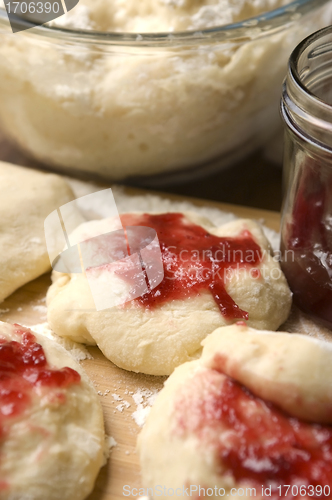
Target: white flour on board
{"points": [[152, 203]]}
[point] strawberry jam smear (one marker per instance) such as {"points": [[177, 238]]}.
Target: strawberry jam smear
{"points": [[255, 442], [195, 260], [24, 369]]}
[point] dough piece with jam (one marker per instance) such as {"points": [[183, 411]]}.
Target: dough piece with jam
{"points": [[27, 197], [213, 276], [216, 430], [51, 422]]}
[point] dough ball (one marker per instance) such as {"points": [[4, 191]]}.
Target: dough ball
{"points": [[292, 371], [207, 430], [51, 422], [157, 339], [27, 197]]}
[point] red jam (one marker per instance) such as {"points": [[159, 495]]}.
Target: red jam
{"points": [[24, 369], [307, 245], [259, 444], [195, 260]]}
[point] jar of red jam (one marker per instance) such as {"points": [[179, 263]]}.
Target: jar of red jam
{"points": [[306, 230]]}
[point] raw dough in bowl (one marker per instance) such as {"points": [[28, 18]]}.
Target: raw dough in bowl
{"points": [[129, 110]]}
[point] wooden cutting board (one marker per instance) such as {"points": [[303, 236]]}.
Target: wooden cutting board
{"points": [[116, 387]]}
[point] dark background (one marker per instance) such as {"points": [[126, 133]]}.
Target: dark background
{"points": [[254, 182]]}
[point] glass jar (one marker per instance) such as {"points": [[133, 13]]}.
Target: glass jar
{"points": [[306, 230]]}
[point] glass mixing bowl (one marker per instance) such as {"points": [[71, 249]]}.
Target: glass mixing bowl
{"points": [[119, 105]]}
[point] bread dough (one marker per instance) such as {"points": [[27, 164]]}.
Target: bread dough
{"points": [[27, 197], [292, 371], [52, 447], [127, 109], [155, 341], [185, 439]]}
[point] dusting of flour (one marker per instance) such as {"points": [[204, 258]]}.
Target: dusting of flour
{"points": [[144, 400], [77, 351], [152, 203], [299, 322]]}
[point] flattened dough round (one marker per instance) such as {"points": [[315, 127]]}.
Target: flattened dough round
{"points": [[155, 341], [51, 447], [27, 197], [290, 370], [186, 438]]}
